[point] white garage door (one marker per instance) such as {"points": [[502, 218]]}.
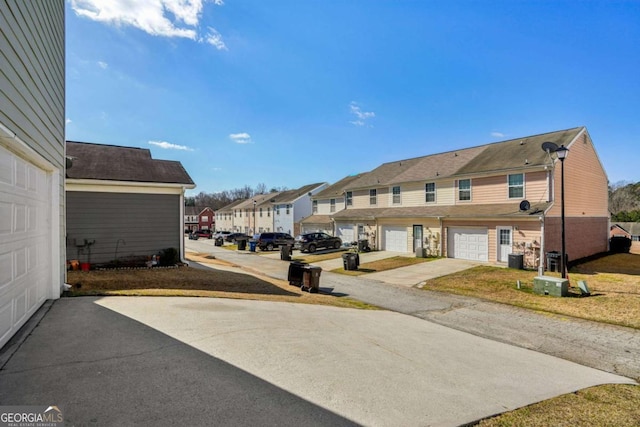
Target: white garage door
{"points": [[345, 232], [25, 264], [395, 239], [468, 243]]}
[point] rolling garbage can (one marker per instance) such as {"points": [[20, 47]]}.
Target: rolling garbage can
{"points": [[363, 245], [516, 261], [252, 245], [219, 241], [350, 261], [553, 261], [242, 244], [296, 271], [311, 278], [420, 252], [285, 252]]}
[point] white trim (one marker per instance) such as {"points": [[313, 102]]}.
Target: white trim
{"points": [[104, 186], [14, 144]]}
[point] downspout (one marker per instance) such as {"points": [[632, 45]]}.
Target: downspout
{"points": [[182, 259], [541, 257], [441, 237]]}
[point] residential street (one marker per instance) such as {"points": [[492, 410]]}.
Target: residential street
{"points": [[607, 347]]}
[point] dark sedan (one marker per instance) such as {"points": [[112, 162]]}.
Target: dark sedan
{"points": [[309, 242], [234, 237]]}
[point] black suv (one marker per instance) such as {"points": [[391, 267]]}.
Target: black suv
{"points": [[312, 241], [270, 241]]}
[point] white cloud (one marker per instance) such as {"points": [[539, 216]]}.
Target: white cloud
{"points": [[498, 134], [67, 121], [214, 38], [361, 116], [166, 18], [170, 146], [103, 65], [240, 138]]}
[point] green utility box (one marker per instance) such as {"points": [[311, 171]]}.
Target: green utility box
{"points": [[554, 286]]}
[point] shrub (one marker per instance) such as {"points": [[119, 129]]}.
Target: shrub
{"points": [[169, 256]]}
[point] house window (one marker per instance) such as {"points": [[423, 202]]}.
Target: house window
{"points": [[205, 218], [395, 191], [288, 207], [464, 189], [516, 186], [268, 212], [373, 197], [260, 212], [315, 206], [349, 198], [277, 209], [430, 192], [332, 205]]}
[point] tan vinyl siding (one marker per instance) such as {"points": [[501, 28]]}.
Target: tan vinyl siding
{"points": [[495, 189], [586, 186], [445, 192], [32, 82], [413, 194]]}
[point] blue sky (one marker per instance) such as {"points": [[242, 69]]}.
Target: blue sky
{"points": [[288, 93]]}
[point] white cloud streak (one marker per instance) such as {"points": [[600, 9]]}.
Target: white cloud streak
{"points": [[169, 146], [361, 117], [498, 134], [103, 65], [165, 18], [240, 138]]}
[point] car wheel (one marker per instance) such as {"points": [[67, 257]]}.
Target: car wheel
{"points": [[269, 246], [312, 248], [336, 245]]}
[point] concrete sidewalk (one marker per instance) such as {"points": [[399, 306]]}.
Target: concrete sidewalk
{"points": [[205, 361]]}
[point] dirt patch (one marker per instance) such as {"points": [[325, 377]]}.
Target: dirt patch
{"points": [[225, 281]]}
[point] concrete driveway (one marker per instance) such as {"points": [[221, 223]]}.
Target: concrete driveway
{"points": [[200, 361]]}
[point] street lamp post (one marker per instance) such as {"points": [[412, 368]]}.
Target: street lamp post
{"points": [[562, 152], [254, 217]]}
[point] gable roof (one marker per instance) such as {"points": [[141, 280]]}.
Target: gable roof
{"points": [[259, 198], [231, 205], [293, 195], [632, 228], [117, 163], [513, 154], [337, 189]]}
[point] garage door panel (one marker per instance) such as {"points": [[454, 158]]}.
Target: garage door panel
{"points": [[25, 268], [468, 243], [395, 239]]}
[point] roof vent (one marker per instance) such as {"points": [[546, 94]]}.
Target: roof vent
{"points": [[455, 154], [522, 142], [526, 161]]}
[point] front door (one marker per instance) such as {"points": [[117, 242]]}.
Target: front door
{"points": [[417, 237], [505, 243]]}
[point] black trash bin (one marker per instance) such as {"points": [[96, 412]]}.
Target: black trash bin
{"points": [[350, 261], [516, 261], [363, 245], [219, 241], [296, 273], [553, 261], [311, 278], [285, 252], [242, 244]]}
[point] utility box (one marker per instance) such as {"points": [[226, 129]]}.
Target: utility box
{"points": [[554, 286], [420, 252], [516, 261]]}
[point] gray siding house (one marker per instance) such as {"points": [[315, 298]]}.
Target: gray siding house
{"points": [[122, 203], [32, 102]]}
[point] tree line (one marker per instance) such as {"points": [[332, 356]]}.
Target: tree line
{"points": [[218, 200], [624, 202]]}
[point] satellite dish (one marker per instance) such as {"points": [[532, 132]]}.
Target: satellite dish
{"points": [[549, 147], [525, 205]]}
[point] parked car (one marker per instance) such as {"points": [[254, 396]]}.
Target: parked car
{"points": [[234, 237], [222, 234], [270, 241], [204, 233], [312, 241]]}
